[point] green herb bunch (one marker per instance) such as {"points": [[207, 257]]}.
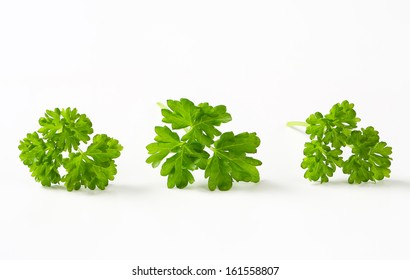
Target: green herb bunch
{"points": [[191, 150], [57, 144], [369, 160]]}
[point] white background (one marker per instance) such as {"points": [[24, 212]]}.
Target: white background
{"points": [[269, 62]]}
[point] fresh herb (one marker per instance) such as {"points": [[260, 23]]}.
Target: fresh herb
{"points": [[57, 144], [191, 151], [370, 158]]}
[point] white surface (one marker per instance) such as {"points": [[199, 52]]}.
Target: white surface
{"points": [[269, 62]]}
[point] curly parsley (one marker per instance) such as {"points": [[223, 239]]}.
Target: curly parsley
{"points": [[60, 134], [370, 158]]}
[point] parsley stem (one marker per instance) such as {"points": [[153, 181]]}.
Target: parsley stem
{"points": [[290, 124], [162, 106], [82, 153], [85, 156]]}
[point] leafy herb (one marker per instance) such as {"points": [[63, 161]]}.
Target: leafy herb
{"points": [[61, 133], [370, 159], [183, 155]]}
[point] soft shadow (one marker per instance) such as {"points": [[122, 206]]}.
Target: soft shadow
{"points": [[394, 183], [298, 129], [262, 186], [128, 189], [198, 187], [110, 189], [386, 183], [55, 188]]}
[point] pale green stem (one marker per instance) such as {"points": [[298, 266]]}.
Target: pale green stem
{"points": [[291, 124], [82, 153], [85, 156], [162, 106]]}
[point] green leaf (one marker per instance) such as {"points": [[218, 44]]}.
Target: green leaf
{"points": [[230, 161], [95, 167], [66, 128], [335, 127], [320, 161], [203, 129], [371, 158], [200, 121], [181, 114], [187, 157], [166, 141], [43, 159]]}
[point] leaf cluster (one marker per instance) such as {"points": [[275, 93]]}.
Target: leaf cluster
{"points": [[369, 160], [185, 153], [57, 144]]}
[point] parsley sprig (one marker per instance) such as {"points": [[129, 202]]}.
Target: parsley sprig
{"points": [[57, 144], [192, 150], [370, 158]]}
